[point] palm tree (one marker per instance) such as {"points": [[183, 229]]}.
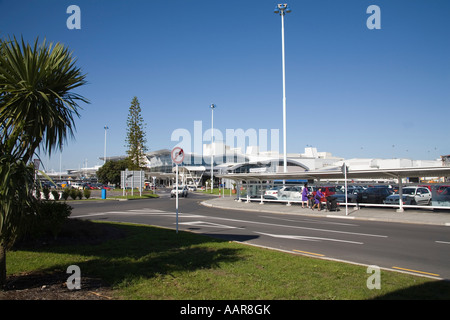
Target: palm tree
{"points": [[37, 110]]}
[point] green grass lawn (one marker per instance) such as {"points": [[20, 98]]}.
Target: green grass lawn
{"points": [[154, 263]]}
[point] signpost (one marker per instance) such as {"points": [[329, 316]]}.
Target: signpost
{"points": [[133, 179], [344, 171], [177, 155]]}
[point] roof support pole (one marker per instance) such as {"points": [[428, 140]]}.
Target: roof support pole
{"points": [[262, 198], [400, 195], [238, 186]]}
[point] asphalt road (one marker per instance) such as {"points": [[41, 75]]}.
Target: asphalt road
{"points": [[419, 249]]}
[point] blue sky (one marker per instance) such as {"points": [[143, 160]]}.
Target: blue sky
{"points": [[350, 91]]}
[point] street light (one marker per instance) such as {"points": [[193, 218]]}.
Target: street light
{"points": [[104, 155], [282, 9], [212, 106]]}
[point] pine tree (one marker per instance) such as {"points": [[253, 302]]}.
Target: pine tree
{"points": [[136, 141]]}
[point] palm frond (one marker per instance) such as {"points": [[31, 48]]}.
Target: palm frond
{"points": [[37, 104]]}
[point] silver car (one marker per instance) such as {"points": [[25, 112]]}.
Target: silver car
{"points": [[290, 192], [182, 191], [411, 195]]}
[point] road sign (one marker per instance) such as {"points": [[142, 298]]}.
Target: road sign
{"points": [[177, 155], [132, 180]]}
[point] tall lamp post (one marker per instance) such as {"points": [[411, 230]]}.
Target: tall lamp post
{"points": [[213, 106], [104, 152], [282, 9]]}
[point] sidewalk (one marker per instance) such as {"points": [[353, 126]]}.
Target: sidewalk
{"points": [[418, 216]]}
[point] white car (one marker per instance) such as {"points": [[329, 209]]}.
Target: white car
{"points": [[411, 195], [290, 193], [182, 191], [272, 193]]}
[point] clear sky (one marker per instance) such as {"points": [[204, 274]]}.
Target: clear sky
{"points": [[351, 91]]}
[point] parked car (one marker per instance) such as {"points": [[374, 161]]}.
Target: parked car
{"points": [[340, 196], [441, 195], [327, 191], [440, 189], [182, 191], [290, 192], [272, 193], [374, 195], [76, 185], [192, 188], [411, 195], [445, 191]]}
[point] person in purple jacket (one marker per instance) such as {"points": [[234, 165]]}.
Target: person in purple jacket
{"points": [[305, 193], [317, 198]]}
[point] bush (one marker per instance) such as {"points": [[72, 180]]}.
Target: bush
{"points": [[48, 218], [46, 192], [65, 194], [87, 193], [73, 193], [79, 194], [55, 195]]}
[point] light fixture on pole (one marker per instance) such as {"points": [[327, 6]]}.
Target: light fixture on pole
{"points": [[104, 152], [213, 106], [282, 9]]}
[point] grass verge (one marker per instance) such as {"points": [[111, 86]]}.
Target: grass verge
{"points": [[146, 262]]}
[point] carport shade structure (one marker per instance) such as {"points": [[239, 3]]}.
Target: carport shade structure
{"points": [[336, 173]]}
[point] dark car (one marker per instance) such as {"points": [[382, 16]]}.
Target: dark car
{"points": [[374, 195], [340, 196]]}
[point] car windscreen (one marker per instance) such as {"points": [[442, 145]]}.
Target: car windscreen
{"points": [[407, 191]]}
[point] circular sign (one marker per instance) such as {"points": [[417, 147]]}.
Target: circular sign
{"points": [[177, 155]]}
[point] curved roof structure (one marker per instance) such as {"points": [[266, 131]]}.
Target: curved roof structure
{"points": [[337, 173]]}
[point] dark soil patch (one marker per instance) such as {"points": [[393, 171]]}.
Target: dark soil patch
{"points": [[52, 285]]}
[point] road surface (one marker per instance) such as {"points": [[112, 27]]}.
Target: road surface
{"points": [[419, 249]]}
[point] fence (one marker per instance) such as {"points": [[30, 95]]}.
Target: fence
{"points": [[289, 194]]}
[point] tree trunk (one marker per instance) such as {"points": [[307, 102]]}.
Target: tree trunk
{"points": [[2, 266]]}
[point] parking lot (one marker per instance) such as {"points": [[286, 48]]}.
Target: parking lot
{"points": [[418, 196]]}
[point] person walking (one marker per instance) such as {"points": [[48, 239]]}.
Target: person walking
{"points": [[305, 193], [318, 199]]}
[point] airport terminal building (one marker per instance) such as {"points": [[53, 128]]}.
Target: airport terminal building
{"points": [[196, 168]]}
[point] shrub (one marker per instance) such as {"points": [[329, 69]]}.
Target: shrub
{"points": [[65, 194], [46, 192], [73, 193], [87, 193], [48, 218], [79, 194], [55, 194]]}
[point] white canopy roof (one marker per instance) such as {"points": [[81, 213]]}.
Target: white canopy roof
{"points": [[337, 173]]}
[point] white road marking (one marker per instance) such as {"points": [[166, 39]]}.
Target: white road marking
{"points": [[208, 224], [298, 227], [159, 212], [307, 238]]}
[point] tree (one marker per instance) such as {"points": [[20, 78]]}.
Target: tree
{"points": [[135, 140], [110, 171], [37, 110]]}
